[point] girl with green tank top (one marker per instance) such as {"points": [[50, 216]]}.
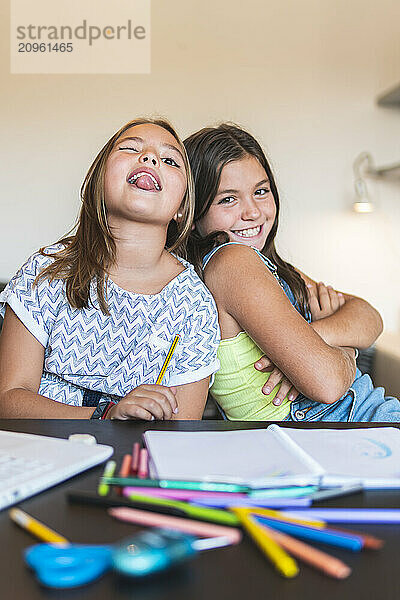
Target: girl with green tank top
{"points": [[288, 345]]}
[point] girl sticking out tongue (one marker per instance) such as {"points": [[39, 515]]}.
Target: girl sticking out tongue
{"points": [[89, 320]]}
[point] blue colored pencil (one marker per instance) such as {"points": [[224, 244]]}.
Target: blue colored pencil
{"points": [[323, 536]]}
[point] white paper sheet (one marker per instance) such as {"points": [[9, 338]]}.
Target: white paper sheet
{"points": [[370, 455]]}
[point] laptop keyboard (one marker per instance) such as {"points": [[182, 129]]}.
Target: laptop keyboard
{"points": [[15, 470], [31, 463]]}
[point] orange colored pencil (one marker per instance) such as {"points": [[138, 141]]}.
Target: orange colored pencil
{"points": [[369, 541], [125, 466], [125, 469], [320, 560]]}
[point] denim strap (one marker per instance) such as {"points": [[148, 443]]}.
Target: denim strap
{"points": [[91, 398]]}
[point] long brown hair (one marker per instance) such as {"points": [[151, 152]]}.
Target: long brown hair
{"points": [[209, 150], [88, 253]]}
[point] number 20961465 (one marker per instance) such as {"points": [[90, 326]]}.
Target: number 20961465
{"points": [[43, 47]]}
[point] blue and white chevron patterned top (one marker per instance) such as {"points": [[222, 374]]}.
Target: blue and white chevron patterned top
{"points": [[85, 349]]}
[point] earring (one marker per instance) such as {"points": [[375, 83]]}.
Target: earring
{"points": [[179, 215]]}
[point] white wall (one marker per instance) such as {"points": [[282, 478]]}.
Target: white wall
{"points": [[302, 76]]}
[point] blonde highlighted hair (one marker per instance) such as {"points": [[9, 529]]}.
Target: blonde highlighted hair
{"points": [[90, 251]]}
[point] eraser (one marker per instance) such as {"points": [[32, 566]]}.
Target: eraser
{"points": [[83, 438]]}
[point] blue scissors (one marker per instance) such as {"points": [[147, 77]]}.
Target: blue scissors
{"points": [[60, 566]]}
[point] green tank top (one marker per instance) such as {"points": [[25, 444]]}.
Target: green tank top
{"points": [[237, 385]]}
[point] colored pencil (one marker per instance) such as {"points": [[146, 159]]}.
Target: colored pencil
{"points": [[159, 505], [124, 470], [188, 495], [289, 492], [306, 553], [143, 469], [167, 359], [283, 516], [142, 517], [370, 542], [337, 492], [347, 515], [84, 497], [252, 502], [177, 484], [35, 527], [202, 513], [126, 464], [109, 470], [322, 536], [282, 561], [135, 457]]}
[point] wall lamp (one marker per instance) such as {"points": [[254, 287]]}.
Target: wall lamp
{"points": [[363, 166]]}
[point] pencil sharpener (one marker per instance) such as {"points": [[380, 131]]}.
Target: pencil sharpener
{"points": [[151, 551]]}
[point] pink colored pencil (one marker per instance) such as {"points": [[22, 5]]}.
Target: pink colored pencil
{"points": [[145, 517], [179, 494], [135, 457], [143, 468]]}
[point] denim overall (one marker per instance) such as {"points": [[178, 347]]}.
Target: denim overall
{"points": [[362, 402]]}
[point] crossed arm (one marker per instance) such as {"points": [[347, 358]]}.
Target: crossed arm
{"points": [[340, 319]]}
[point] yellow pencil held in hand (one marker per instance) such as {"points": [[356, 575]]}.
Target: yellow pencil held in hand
{"points": [[168, 358], [281, 560]]}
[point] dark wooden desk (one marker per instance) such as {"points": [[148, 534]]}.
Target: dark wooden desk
{"points": [[235, 573]]}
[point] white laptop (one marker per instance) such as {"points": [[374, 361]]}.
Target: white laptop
{"points": [[32, 463]]}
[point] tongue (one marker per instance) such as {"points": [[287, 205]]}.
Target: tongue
{"points": [[145, 182]]}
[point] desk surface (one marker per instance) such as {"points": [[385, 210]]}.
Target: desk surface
{"points": [[234, 573]]}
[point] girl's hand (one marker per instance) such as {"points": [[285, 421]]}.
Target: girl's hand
{"points": [[146, 402], [324, 301], [276, 376]]}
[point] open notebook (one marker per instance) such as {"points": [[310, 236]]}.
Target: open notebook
{"points": [[279, 456]]}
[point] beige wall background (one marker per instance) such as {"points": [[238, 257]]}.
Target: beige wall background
{"points": [[302, 76]]}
